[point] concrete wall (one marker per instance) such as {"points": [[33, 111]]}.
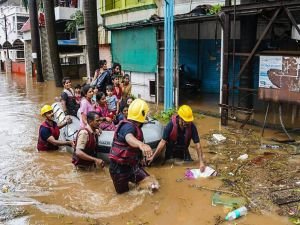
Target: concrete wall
{"points": [[7, 65], [18, 67], [64, 13], [130, 17], [10, 2], [185, 6], [140, 85], [105, 53]]}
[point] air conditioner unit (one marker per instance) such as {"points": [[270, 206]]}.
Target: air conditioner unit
{"points": [[295, 34]]}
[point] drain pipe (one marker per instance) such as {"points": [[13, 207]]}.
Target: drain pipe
{"points": [[168, 54]]}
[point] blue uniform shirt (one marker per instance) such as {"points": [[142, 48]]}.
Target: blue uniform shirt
{"points": [[180, 133], [45, 132]]}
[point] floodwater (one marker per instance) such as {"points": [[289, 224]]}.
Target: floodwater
{"points": [[44, 188]]}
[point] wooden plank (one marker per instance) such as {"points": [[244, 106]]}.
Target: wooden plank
{"points": [[292, 19], [258, 42]]}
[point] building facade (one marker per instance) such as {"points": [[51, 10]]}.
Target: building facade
{"points": [[137, 43], [71, 50], [12, 18]]}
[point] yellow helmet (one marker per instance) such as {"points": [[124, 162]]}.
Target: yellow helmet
{"points": [[185, 112], [46, 108], [138, 110]]}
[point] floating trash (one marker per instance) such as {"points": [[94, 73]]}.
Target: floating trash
{"points": [[218, 137], [243, 157], [196, 173], [228, 201]]}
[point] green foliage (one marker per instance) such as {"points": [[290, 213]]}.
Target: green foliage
{"points": [[215, 9], [77, 20], [295, 220], [164, 116]]}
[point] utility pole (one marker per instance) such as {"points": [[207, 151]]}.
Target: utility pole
{"points": [[35, 39], [5, 29]]}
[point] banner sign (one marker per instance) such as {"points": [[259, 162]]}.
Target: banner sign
{"points": [[279, 79]]}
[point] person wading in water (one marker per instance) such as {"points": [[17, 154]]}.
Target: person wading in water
{"points": [[84, 155], [49, 131], [177, 137], [128, 149]]}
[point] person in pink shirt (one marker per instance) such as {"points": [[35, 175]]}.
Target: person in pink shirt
{"points": [[85, 104], [102, 110]]}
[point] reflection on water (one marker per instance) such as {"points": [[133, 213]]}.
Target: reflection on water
{"points": [[43, 188], [47, 180]]}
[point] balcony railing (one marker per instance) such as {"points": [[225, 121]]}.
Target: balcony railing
{"points": [[66, 3], [65, 35]]}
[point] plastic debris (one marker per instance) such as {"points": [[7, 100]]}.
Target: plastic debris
{"points": [[270, 146], [154, 186], [236, 213], [294, 220], [219, 137], [243, 157], [228, 201], [5, 189], [196, 173]]}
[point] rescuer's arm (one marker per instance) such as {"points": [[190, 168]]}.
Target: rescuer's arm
{"points": [[161, 145], [55, 142], [200, 156], [135, 143]]}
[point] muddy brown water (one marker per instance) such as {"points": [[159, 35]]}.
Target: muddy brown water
{"points": [[44, 188]]}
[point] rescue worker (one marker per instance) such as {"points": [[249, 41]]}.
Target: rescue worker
{"points": [[84, 155], [49, 131], [177, 136], [128, 149]]}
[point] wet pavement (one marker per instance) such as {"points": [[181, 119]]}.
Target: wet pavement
{"points": [[44, 188]]}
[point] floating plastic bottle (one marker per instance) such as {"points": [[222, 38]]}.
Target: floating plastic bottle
{"points": [[236, 213]]}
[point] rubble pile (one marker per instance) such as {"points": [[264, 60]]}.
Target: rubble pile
{"points": [[267, 175]]}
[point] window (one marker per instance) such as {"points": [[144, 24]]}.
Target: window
{"points": [[20, 21], [112, 4], [152, 89], [73, 60], [20, 54]]}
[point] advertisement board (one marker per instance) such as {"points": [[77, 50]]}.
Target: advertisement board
{"points": [[279, 79]]}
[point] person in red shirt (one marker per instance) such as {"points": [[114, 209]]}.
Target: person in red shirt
{"points": [[117, 91]]}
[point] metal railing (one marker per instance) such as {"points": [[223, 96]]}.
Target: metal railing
{"points": [[66, 3]]}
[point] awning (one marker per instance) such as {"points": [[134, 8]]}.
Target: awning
{"points": [[68, 42]]}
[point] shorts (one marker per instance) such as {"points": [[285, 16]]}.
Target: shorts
{"points": [[121, 179]]}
